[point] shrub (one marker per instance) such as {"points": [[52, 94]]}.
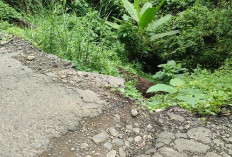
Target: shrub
{"points": [[108, 8], [138, 30], [205, 38], [176, 6], [202, 92], [7, 13], [129, 36], [26, 5]]}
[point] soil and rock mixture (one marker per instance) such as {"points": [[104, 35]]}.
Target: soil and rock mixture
{"points": [[62, 112]]}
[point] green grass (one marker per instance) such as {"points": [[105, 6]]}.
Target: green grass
{"points": [[83, 40], [5, 27]]}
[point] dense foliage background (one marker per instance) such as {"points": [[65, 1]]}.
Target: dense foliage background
{"points": [[77, 30]]}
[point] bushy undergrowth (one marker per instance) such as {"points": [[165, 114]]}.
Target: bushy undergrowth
{"points": [[204, 93], [108, 8], [5, 27], [205, 38], [175, 6], [25, 5], [7, 12]]}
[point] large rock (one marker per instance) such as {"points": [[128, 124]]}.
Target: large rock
{"points": [[113, 131], [111, 153], [118, 141], [169, 152], [200, 134], [103, 136], [190, 145], [176, 117], [164, 138]]}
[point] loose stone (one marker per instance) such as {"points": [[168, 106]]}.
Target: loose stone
{"points": [[138, 138], [122, 153], [117, 141], [30, 57], [113, 131], [129, 127], [116, 117], [134, 112], [176, 117], [149, 126], [83, 145], [136, 130], [111, 153], [130, 139], [127, 144], [103, 136], [158, 110], [107, 145]]}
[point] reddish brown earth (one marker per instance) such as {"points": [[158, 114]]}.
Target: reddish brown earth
{"points": [[142, 84]]}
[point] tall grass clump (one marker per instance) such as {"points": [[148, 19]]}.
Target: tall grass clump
{"points": [[85, 40]]}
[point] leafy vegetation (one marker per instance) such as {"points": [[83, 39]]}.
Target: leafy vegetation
{"points": [[138, 38], [169, 71], [204, 39], [183, 46], [83, 40], [7, 12], [203, 92]]}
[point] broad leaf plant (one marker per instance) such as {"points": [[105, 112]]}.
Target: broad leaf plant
{"points": [[144, 18]]}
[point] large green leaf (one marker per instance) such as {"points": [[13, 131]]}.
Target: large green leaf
{"points": [[187, 99], [114, 25], [147, 17], [191, 91], [162, 88], [196, 93], [177, 82], [161, 35], [131, 10], [158, 75], [136, 4], [145, 7], [116, 19], [155, 24], [161, 3]]}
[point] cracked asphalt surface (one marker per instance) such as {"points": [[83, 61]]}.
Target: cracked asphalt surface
{"points": [[34, 108]]}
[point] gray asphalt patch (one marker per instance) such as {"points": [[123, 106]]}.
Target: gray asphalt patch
{"points": [[34, 109]]}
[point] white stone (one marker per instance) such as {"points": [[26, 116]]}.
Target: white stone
{"points": [[111, 153], [134, 112]]}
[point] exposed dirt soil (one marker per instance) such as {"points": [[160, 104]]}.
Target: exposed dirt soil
{"points": [[142, 84]]}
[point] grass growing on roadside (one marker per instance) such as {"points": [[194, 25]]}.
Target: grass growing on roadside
{"points": [[86, 40], [5, 27]]}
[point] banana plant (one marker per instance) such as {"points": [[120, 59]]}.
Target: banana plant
{"points": [[144, 18]]}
